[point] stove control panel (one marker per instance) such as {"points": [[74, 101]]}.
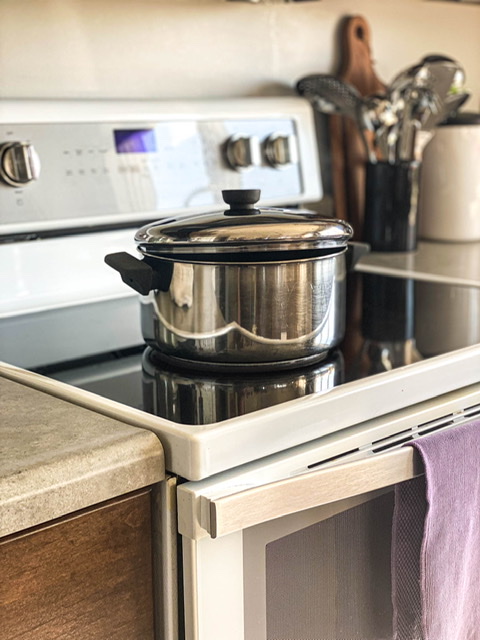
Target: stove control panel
{"points": [[106, 171]]}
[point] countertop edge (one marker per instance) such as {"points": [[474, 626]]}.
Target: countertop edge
{"points": [[57, 458], [53, 491]]}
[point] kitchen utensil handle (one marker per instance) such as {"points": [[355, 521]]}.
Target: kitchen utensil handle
{"points": [[348, 150], [357, 66], [306, 491]]}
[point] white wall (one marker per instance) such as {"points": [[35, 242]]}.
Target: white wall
{"points": [[210, 48]]}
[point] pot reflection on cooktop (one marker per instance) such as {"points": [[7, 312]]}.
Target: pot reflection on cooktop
{"points": [[205, 396], [391, 322]]}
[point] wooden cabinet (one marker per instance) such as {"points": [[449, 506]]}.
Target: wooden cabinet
{"points": [[85, 576]]}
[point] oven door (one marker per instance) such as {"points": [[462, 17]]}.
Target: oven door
{"points": [[303, 558], [296, 546]]}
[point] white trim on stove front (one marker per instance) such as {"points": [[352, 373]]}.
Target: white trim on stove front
{"points": [[196, 452]]}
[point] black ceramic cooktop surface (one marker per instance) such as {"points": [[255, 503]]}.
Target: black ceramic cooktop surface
{"points": [[391, 322]]}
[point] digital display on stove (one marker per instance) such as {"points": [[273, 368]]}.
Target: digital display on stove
{"points": [[135, 140]]}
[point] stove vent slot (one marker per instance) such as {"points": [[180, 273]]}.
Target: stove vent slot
{"points": [[391, 442], [439, 424], [473, 411], [398, 439], [333, 458]]}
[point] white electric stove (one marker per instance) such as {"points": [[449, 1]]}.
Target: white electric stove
{"points": [[79, 178], [261, 463]]}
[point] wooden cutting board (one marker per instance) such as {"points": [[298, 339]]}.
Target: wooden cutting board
{"points": [[348, 155]]}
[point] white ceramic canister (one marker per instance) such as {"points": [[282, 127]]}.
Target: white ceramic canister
{"points": [[449, 199]]}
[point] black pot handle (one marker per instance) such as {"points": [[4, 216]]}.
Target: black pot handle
{"points": [[355, 250], [139, 275]]}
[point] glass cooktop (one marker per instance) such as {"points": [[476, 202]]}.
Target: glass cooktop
{"points": [[391, 322]]}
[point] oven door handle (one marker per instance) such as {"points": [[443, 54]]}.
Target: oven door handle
{"points": [[313, 489]]}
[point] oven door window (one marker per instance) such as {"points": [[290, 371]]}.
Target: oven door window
{"points": [[329, 580], [332, 580]]}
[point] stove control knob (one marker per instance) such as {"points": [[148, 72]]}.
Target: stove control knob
{"points": [[19, 163], [281, 150], [243, 152]]}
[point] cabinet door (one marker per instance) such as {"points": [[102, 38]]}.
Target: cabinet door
{"points": [[88, 575]]}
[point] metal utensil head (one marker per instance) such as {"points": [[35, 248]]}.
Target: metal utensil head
{"points": [[379, 113], [330, 95], [380, 110], [414, 76], [422, 96], [445, 76], [448, 107]]}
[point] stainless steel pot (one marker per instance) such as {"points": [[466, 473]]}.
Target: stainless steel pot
{"points": [[243, 285]]}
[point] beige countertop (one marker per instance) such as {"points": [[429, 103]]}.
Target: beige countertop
{"points": [[57, 458]]}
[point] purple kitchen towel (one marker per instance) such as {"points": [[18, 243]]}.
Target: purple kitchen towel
{"points": [[436, 541]]}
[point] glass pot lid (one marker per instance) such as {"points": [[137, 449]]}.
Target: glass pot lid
{"points": [[243, 228]]}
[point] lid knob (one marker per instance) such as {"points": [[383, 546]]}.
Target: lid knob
{"points": [[241, 201]]}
